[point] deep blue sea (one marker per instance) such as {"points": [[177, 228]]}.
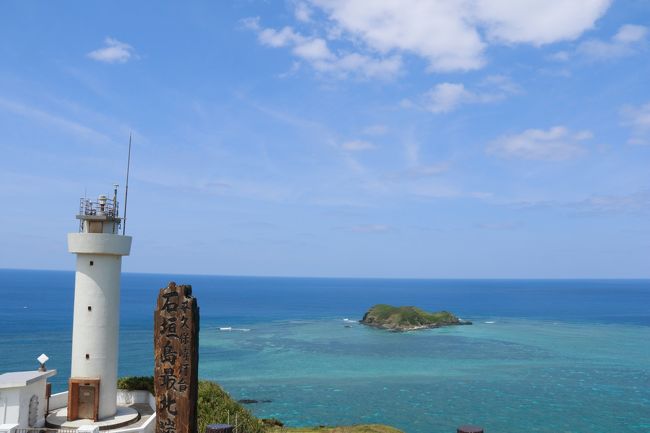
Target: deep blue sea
{"points": [[542, 356]]}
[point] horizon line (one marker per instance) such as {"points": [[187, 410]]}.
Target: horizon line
{"points": [[359, 277]]}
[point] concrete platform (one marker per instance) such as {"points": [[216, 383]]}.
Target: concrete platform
{"points": [[124, 416]]}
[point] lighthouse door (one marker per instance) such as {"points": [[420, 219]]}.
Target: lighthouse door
{"points": [[83, 398], [86, 402]]}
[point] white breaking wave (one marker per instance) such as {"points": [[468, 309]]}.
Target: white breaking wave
{"points": [[489, 322], [230, 328]]}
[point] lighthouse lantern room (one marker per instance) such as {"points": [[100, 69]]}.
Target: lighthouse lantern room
{"points": [[99, 246]]}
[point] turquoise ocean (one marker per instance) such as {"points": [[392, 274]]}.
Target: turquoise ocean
{"points": [[542, 355]]}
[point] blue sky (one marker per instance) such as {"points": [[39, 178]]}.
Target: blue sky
{"points": [[477, 138]]}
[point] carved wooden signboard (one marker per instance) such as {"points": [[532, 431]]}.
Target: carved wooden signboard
{"points": [[176, 351]]}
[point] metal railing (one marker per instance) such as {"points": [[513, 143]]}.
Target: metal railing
{"points": [[241, 425], [102, 206]]}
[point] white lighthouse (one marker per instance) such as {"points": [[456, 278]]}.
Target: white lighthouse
{"points": [[99, 246]]}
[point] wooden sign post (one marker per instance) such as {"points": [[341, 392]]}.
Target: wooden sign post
{"points": [[176, 352]]}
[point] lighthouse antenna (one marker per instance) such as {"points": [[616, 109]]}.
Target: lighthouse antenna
{"points": [[126, 187]]}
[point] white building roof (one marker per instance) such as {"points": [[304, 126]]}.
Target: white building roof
{"points": [[17, 379]]}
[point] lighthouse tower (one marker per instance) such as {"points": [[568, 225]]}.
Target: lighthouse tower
{"points": [[99, 246]]}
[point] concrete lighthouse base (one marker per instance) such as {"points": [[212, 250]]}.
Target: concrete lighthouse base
{"points": [[125, 416]]}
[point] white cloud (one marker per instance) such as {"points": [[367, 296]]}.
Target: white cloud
{"points": [[295, 67], [316, 52], [114, 52], [433, 190], [362, 65], [42, 117], [424, 181], [630, 33], [446, 97], [560, 56], [353, 165], [370, 228], [279, 38], [251, 23], [554, 144], [412, 152], [313, 50], [481, 195], [302, 12], [638, 202], [630, 203], [449, 35], [357, 145], [426, 170], [536, 22], [375, 129], [435, 30], [625, 42], [583, 135], [638, 118], [504, 225]]}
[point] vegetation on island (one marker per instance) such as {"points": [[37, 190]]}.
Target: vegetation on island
{"points": [[408, 318], [215, 406]]}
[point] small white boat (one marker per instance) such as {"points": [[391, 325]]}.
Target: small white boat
{"points": [[226, 328]]}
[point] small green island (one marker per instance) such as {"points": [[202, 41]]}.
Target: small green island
{"points": [[401, 319]]}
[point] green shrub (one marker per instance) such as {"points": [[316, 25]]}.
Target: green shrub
{"points": [[215, 406], [136, 383]]}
